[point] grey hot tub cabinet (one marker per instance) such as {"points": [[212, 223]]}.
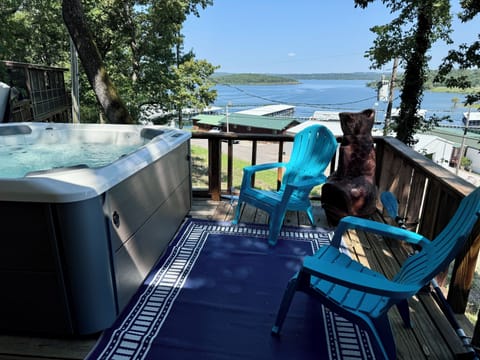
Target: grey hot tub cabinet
{"points": [[70, 268]]}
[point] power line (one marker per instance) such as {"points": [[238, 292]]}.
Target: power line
{"points": [[327, 106], [297, 104]]}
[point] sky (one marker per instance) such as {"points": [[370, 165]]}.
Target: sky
{"points": [[296, 36]]}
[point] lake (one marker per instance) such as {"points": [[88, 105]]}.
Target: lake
{"points": [[331, 95]]}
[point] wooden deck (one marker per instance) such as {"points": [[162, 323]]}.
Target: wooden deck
{"points": [[432, 337]]}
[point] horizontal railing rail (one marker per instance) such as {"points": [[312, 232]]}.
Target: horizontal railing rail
{"points": [[428, 195]]}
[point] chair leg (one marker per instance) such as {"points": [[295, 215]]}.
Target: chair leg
{"points": [[237, 211], [285, 305], [404, 311], [382, 331], [310, 215], [274, 227]]}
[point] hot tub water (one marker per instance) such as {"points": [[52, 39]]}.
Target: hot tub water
{"points": [[18, 161]]}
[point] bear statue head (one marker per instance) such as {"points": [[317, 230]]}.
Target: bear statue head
{"points": [[357, 123]]}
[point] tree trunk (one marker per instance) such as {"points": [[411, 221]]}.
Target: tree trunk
{"points": [[415, 76], [92, 62], [134, 46]]}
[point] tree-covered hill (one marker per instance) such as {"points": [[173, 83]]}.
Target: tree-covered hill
{"points": [[339, 76], [473, 76], [252, 79], [262, 79], [372, 78]]}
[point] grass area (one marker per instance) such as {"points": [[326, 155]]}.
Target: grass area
{"points": [[266, 180]]}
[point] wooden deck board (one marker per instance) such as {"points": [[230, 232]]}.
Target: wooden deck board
{"points": [[431, 338], [13, 347], [432, 335]]}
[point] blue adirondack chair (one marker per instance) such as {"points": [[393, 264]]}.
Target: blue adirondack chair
{"points": [[313, 149], [364, 296]]}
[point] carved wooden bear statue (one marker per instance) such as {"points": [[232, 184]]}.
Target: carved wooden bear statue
{"points": [[351, 189]]}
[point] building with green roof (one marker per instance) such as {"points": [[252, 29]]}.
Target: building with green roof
{"points": [[450, 150], [456, 135], [240, 123]]}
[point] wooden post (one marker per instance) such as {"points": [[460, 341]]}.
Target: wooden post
{"points": [[280, 170], [214, 168], [230, 167], [464, 272], [254, 159], [476, 333]]}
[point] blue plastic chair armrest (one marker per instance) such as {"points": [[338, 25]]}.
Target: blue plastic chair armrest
{"points": [[393, 232], [304, 184], [308, 183], [260, 167], [248, 171], [361, 281]]}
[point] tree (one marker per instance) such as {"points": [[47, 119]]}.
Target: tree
{"points": [[92, 62], [167, 76], [466, 57], [187, 93], [33, 32], [136, 49], [408, 37]]}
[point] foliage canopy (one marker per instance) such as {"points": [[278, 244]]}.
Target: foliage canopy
{"points": [[467, 56], [408, 37], [140, 43]]}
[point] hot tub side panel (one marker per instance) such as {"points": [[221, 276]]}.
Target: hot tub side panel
{"points": [[145, 211], [33, 296], [55, 268], [86, 262]]}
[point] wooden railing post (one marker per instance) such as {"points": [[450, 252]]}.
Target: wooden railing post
{"points": [[214, 168], [230, 167], [254, 160], [476, 332], [280, 170], [463, 273]]}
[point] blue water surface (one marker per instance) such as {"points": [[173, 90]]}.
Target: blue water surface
{"points": [[332, 95]]}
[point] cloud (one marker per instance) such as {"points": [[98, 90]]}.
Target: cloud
{"points": [[291, 54]]}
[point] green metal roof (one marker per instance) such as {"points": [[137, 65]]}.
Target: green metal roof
{"points": [[456, 135], [213, 120], [254, 121]]}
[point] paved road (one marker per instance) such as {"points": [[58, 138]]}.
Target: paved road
{"points": [[266, 152]]}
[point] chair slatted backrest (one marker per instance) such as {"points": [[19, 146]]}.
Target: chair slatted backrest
{"points": [[434, 257], [313, 149]]}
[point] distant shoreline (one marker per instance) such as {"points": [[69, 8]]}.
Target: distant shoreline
{"points": [[253, 79], [371, 79], [453, 90], [287, 79]]}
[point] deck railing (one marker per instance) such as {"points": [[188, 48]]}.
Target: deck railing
{"points": [[428, 196]]}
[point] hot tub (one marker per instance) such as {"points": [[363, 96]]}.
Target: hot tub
{"points": [[78, 239]]}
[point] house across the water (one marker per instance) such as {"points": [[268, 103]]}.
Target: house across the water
{"points": [[472, 117], [270, 110], [241, 123]]}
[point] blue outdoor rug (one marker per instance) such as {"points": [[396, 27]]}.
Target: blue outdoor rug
{"points": [[215, 294]]}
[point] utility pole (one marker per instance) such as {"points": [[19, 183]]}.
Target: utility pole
{"points": [[75, 83], [226, 111], [388, 114], [462, 147]]}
